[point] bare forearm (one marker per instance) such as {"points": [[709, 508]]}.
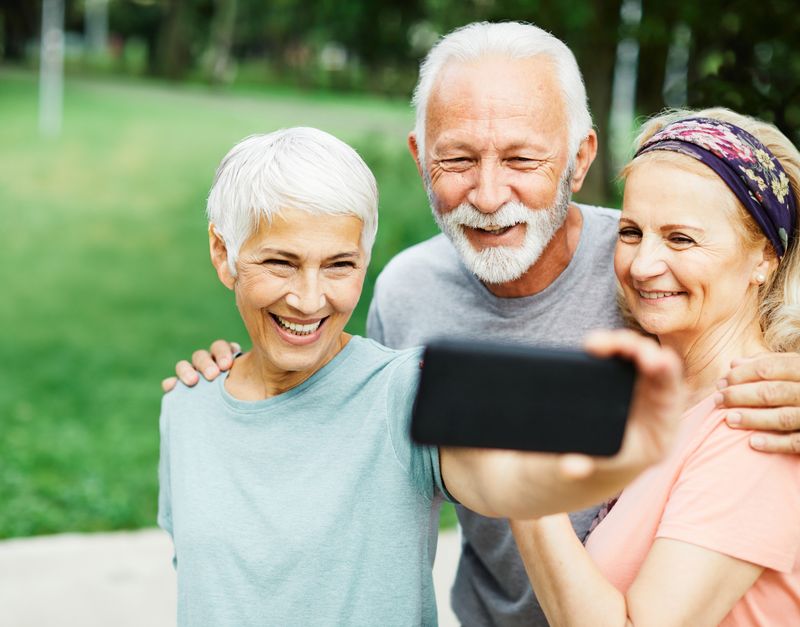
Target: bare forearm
{"points": [[526, 485], [519, 485], [568, 585]]}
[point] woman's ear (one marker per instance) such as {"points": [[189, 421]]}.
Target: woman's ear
{"points": [[766, 264], [219, 257]]}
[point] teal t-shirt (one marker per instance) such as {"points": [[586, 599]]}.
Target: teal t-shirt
{"points": [[309, 508]]}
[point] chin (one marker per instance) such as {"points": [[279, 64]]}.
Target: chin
{"points": [[655, 327]]}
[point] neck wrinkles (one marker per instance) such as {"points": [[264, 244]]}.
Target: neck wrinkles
{"points": [[707, 354], [254, 378]]}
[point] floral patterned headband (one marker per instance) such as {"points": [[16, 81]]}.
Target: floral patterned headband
{"points": [[751, 171]]}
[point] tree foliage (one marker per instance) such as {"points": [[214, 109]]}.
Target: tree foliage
{"points": [[737, 54]]}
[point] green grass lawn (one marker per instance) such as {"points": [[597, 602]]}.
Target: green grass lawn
{"points": [[106, 278]]}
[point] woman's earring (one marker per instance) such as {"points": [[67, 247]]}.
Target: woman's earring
{"points": [[760, 278]]}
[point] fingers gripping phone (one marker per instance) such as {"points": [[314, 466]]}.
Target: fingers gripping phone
{"points": [[515, 397]]}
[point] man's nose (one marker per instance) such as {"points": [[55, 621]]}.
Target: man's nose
{"points": [[649, 260], [307, 293], [490, 191]]}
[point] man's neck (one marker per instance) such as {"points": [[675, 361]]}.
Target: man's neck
{"points": [[553, 261]]}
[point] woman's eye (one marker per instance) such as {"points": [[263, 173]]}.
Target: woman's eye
{"points": [[277, 263], [342, 266], [680, 239], [629, 235]]}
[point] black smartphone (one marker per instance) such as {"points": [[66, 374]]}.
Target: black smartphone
{"points": [[516, 397]]}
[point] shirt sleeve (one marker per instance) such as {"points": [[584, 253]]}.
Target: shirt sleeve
{"points": [[374, 323], [421, 462], [164, 492], [737, 501]]}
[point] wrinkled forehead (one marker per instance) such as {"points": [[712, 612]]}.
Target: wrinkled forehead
{"points": [[307, 233], [522, 96]]}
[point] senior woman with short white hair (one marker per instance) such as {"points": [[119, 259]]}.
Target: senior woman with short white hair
{"points": [[291, 487], [708, 259]]}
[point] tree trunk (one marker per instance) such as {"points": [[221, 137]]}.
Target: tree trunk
{"points": [[596, 54], [173, 55], [219, 51]]}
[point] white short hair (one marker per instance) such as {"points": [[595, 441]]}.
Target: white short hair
{"points": [[516, 40], [296, 168]]}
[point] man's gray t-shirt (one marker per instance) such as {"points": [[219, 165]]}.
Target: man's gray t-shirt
{"points": [[426, 292]]}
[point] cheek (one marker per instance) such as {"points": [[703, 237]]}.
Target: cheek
{"points": [[345, 294], [535, 189], [449, 190], [259, 291], [622, 263]]}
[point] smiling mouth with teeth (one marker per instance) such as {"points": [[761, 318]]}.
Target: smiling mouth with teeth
{"points": [[297, 329], [494, 229], [657, 295]]}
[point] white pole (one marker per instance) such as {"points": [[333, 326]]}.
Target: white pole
{"points": [[676, 75], [623, 90], [96, 25], [51, 68]]}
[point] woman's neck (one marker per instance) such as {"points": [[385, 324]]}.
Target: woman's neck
{"points": [[707, 355], [254, 377]]}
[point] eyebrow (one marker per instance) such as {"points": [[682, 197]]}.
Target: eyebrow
{"points": [[347, 255], [445, 146], [681, 227], [527, 145], [350, 254], [668, 227], [457, 145], [278, 251]]}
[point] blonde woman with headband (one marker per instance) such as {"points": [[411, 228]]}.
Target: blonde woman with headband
{"points": [[708, 260]]}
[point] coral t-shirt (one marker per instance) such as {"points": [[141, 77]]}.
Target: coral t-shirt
{"points": [[714, 491]]}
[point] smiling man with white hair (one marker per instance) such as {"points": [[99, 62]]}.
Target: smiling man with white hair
{"points": [[503, 137]]}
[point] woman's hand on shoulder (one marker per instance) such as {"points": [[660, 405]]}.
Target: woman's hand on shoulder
{"points": [[210, 363], [763, 393]]}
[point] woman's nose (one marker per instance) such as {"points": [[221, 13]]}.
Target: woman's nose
{"points": [[306, 294], [649, 261]]}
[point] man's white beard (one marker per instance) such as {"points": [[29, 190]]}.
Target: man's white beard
{"points": [[502, 264]]}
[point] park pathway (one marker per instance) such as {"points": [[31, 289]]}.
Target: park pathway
{"points": [[124, 579]]}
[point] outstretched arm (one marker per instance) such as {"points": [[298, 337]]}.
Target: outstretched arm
{"points": [[763, 393], [525, 485], [210, 364]]}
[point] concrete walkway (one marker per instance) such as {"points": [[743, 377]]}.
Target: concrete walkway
{"points": [[122, 579]]}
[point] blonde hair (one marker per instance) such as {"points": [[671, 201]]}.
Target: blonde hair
{"points": [[779, 296]]}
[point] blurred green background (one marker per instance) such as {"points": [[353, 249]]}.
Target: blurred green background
{"points": [[106, 278]]}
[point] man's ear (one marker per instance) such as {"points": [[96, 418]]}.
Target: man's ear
{"points": [[219, 257], [587, 151], [413, 148]]}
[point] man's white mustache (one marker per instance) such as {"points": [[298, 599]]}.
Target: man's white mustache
{"points": [[509, 214]]}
